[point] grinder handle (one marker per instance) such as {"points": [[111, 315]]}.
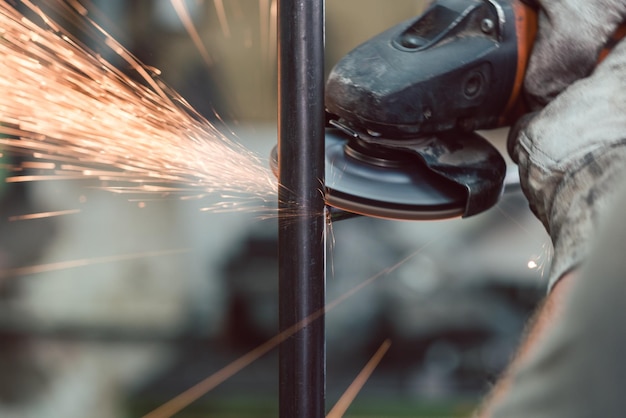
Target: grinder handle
{"points": [[526, 25], [618, 35]]}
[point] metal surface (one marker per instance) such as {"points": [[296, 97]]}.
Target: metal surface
{"points": [[302, 356]]}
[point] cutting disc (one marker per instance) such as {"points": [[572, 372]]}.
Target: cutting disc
{"points": [[403, 188], [391, 188]]}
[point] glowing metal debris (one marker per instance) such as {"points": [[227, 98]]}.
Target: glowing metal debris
{"points": [[185, 18], [42, 215], [184, 399], [75, 115], [63, 265], [353, 390]]}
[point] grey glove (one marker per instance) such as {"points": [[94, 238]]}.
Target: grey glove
{"points": [[572, 151]]}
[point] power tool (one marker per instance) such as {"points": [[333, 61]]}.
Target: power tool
{"points": [[403, 108]]}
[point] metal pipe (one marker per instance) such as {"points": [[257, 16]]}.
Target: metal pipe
{"points": [[302, 357]]}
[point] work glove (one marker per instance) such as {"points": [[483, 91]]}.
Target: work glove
{"points": [[571, 151]]}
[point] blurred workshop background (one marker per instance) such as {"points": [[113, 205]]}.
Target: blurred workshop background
{"points": [[118, 337]]}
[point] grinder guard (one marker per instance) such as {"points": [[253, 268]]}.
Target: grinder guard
{"points": [[448, 175], [428, 178]]}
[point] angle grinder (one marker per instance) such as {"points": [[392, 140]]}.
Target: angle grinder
{"points": [[402, 109]]}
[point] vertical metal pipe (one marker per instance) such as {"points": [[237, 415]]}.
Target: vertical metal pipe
{"points": [[302, 357]]}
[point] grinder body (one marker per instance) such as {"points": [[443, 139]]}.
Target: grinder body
{"points": [[402, 108], [459, 66]]}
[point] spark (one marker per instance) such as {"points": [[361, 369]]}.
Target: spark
{"points": [[63, 265], [267, 27], [539, 262], [77, 116], [183, 15], [42, 215], [264, 21], [221, 15], [38, 165], [273, 30], [268, 15], [514, 221], [200, 389], [353, 390]]}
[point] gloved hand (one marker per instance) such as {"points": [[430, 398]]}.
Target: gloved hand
{"points": [[571, 151]]}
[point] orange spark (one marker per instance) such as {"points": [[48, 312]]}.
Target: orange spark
{"points": [[62, 265], [42, 215], [353, 390], [183, 15], [221, 15], [61, 103], [192, 394]]}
